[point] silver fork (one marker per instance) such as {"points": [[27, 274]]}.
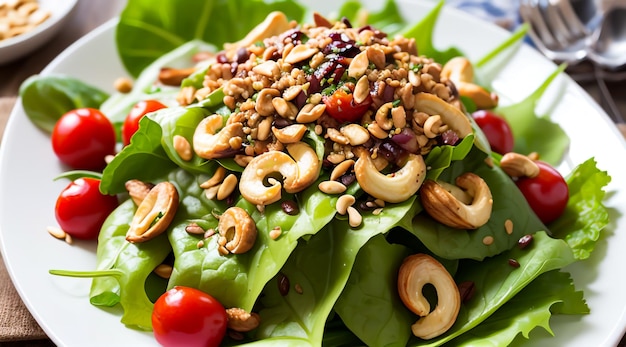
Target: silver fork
{"points": [[558, 33], [556, 29]]}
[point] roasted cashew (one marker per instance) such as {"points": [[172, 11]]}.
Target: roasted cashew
{"points": [[237, 231], [396, 187], [518, 165], [447, 209], [274, 24], [308, 165], [460, 71], [298, 171], [450, 115], [242, 321], [416, 271], [138, 190], [209, 142], [257, 174], [154, 214]]}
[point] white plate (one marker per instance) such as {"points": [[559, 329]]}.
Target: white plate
{"points": [[18, 46], [61, 305]]}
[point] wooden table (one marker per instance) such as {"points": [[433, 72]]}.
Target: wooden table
{"points": [[87, 16]]}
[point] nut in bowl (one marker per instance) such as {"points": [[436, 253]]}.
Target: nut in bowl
{"points": [[27, 24]]}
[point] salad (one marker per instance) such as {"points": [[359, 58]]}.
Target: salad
{"points": [[311, 239]]}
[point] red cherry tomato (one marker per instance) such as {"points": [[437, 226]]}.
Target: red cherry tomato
{"points": [[131, 123], [188, 317], [81, 208], [547, 194], [340, 105], [82, 138], [496, 129]]}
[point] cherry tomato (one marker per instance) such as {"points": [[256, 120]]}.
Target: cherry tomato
{"points": [[188, 317], [547, 194], [81, 208], [340, 105], [131, 123], [82, 138], [496, 129]]}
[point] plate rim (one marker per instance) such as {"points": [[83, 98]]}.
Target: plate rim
{"points": [[111, 23]]}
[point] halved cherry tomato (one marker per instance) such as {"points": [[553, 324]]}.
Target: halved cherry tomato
{"points": [[82, 138], [496, 129], [188, 317], [547, 194], [340, 105], [81, 208], [131, 123]]}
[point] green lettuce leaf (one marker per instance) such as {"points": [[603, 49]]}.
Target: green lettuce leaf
{"points": [[144, 159], [585, 215], [534, 133], [145, 31], [388, 19], [368, 304], [551, 292]]}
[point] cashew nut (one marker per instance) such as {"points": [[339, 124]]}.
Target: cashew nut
{"points": [[450, 115], [209, 142], [274, 24], [518, 165], [237, 231], [308, 165], [242, 321], [298, 171], [460, 71], [154, 214], [395, 187], [447, 209], [256, 187], [416, 271], [138, 190]]}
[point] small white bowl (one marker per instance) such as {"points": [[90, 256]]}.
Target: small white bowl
{"points": [[20, 45]]}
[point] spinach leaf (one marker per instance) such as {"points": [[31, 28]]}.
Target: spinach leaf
{"points": [[533, 133], [423, 33], [143, 159], [237, 279], [182, 121], [508, 204], [145, 31], [46, 98], [369, 304], [388, 19]]}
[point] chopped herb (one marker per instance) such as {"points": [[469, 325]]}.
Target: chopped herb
{"points": [[416, 67], [396, 103], [157, 218]]}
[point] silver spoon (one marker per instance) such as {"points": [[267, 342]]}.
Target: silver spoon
{"points": [[608, 43]]}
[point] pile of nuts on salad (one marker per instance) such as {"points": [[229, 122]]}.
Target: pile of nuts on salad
{"points": [[378, 105], [20, 16], [376, 102]]}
